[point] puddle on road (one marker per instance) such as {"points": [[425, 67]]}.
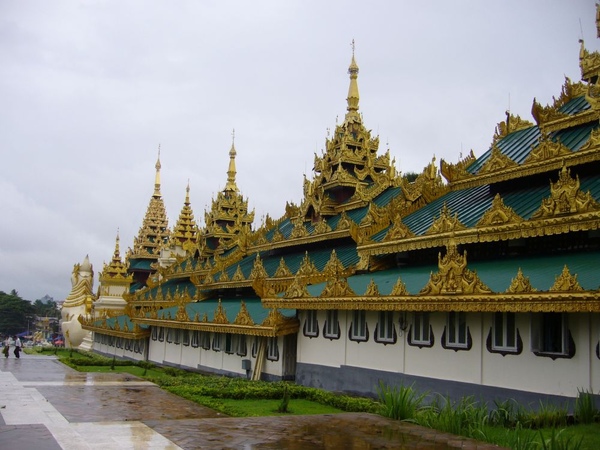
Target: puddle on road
{"points": [[315, 437]]}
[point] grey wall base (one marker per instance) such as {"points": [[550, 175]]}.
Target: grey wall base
{"points": [[361, 381]]}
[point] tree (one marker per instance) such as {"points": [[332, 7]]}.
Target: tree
{"points": [[14, 312], [46, 309]]}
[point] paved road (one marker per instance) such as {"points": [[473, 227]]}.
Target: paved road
{"points": [[45, 405]]}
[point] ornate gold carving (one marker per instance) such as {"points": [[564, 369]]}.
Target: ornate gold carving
{"points": [[307, 267], [220, 316], [372, 289], [274, 319], [299, 229], [520, 284], [399, 289], [321, 227], [545, 150], [337, 287], [445, 222], [496, 162], [398, 230], [344, 222], [297, 289], [238, 275], [258, 270], [566, 198], [282, 270], [458, 171], [498, 214], [243, 317], [566, 282], [512, 124], [453, 276]]}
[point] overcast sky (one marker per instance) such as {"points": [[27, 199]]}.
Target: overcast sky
{"points": [[89, 89]]}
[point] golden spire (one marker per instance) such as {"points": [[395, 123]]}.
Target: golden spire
{"points": [[116, 269], [231, 186], [157, 178], [353, 96], [185, 232]]}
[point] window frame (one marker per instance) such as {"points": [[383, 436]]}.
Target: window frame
{"points": [[273, 349], [385, 330], [331, 328], [311, 324], [421, 332], [359, 322]]}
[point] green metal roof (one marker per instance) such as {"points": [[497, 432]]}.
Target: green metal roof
{"points": [[121, 320], [575, 106], [497, 274], [470, 204], [140, 264], [231, 307]]}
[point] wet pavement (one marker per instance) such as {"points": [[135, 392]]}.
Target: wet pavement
{"points": [[45, 405]]}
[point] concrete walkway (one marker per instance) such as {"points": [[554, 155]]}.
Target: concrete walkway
{"points": [[45, 405]]}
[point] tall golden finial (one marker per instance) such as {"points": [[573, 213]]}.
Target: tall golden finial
{"points": [[231, 186], [353, 96], [157, 177], [187, 193]]}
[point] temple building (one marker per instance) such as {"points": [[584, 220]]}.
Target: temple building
{"points": [[479, 277]]}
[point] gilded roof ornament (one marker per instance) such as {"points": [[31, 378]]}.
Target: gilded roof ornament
{"points": [[238, 275], [243, 317], [453, 276], [546, 149], [307, 267], [566, 198], [337, 287], [282, 270], [258, 270], [398, 230], [155, 227], [458, 171], [589, 63], [510, 125], [297, 289], [372, 289], [520, 284], [498, 214], [399, 288], [497, 161], [220, 316], [116, 270], [185, 233], [565, 282], [445, 222]]}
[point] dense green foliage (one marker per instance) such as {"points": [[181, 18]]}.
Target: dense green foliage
{"points": [[14, 313]]}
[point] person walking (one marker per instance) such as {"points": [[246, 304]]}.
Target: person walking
{"points": [[6, 349], [17, 347]]}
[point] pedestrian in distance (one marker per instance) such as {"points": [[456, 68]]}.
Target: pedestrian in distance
{"points": [[6, 349], [17, 347]]}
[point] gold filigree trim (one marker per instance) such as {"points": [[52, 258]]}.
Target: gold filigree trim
{"points": [[545, 150], [398, 230], [453, 276], [282, 270], [372, 289], [566, 282], [399, 288], [220, 316], [566, 198], [445, 222], [496, 162], [520, 284], [498, 214], [243, 317]]}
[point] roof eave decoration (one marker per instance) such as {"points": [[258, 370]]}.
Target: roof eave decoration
{"points": [[567, 209], [275, 324], [101, 327], [549, 118], [453, 288]]}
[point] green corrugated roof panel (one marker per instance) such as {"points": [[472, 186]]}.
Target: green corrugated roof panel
{"points": [[387, 196], [497, 274], [575, 137], [231, 307], [122, 320], [469, 204], [140, 264], [575, 106]]}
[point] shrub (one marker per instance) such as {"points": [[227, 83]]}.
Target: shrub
{"points": [[585, 407], [399, 402]]}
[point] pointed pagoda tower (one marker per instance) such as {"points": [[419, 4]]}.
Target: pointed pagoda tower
{"points": [[153, 233], [349, 173], [114, 282], [228, 219], [183, 240]]}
